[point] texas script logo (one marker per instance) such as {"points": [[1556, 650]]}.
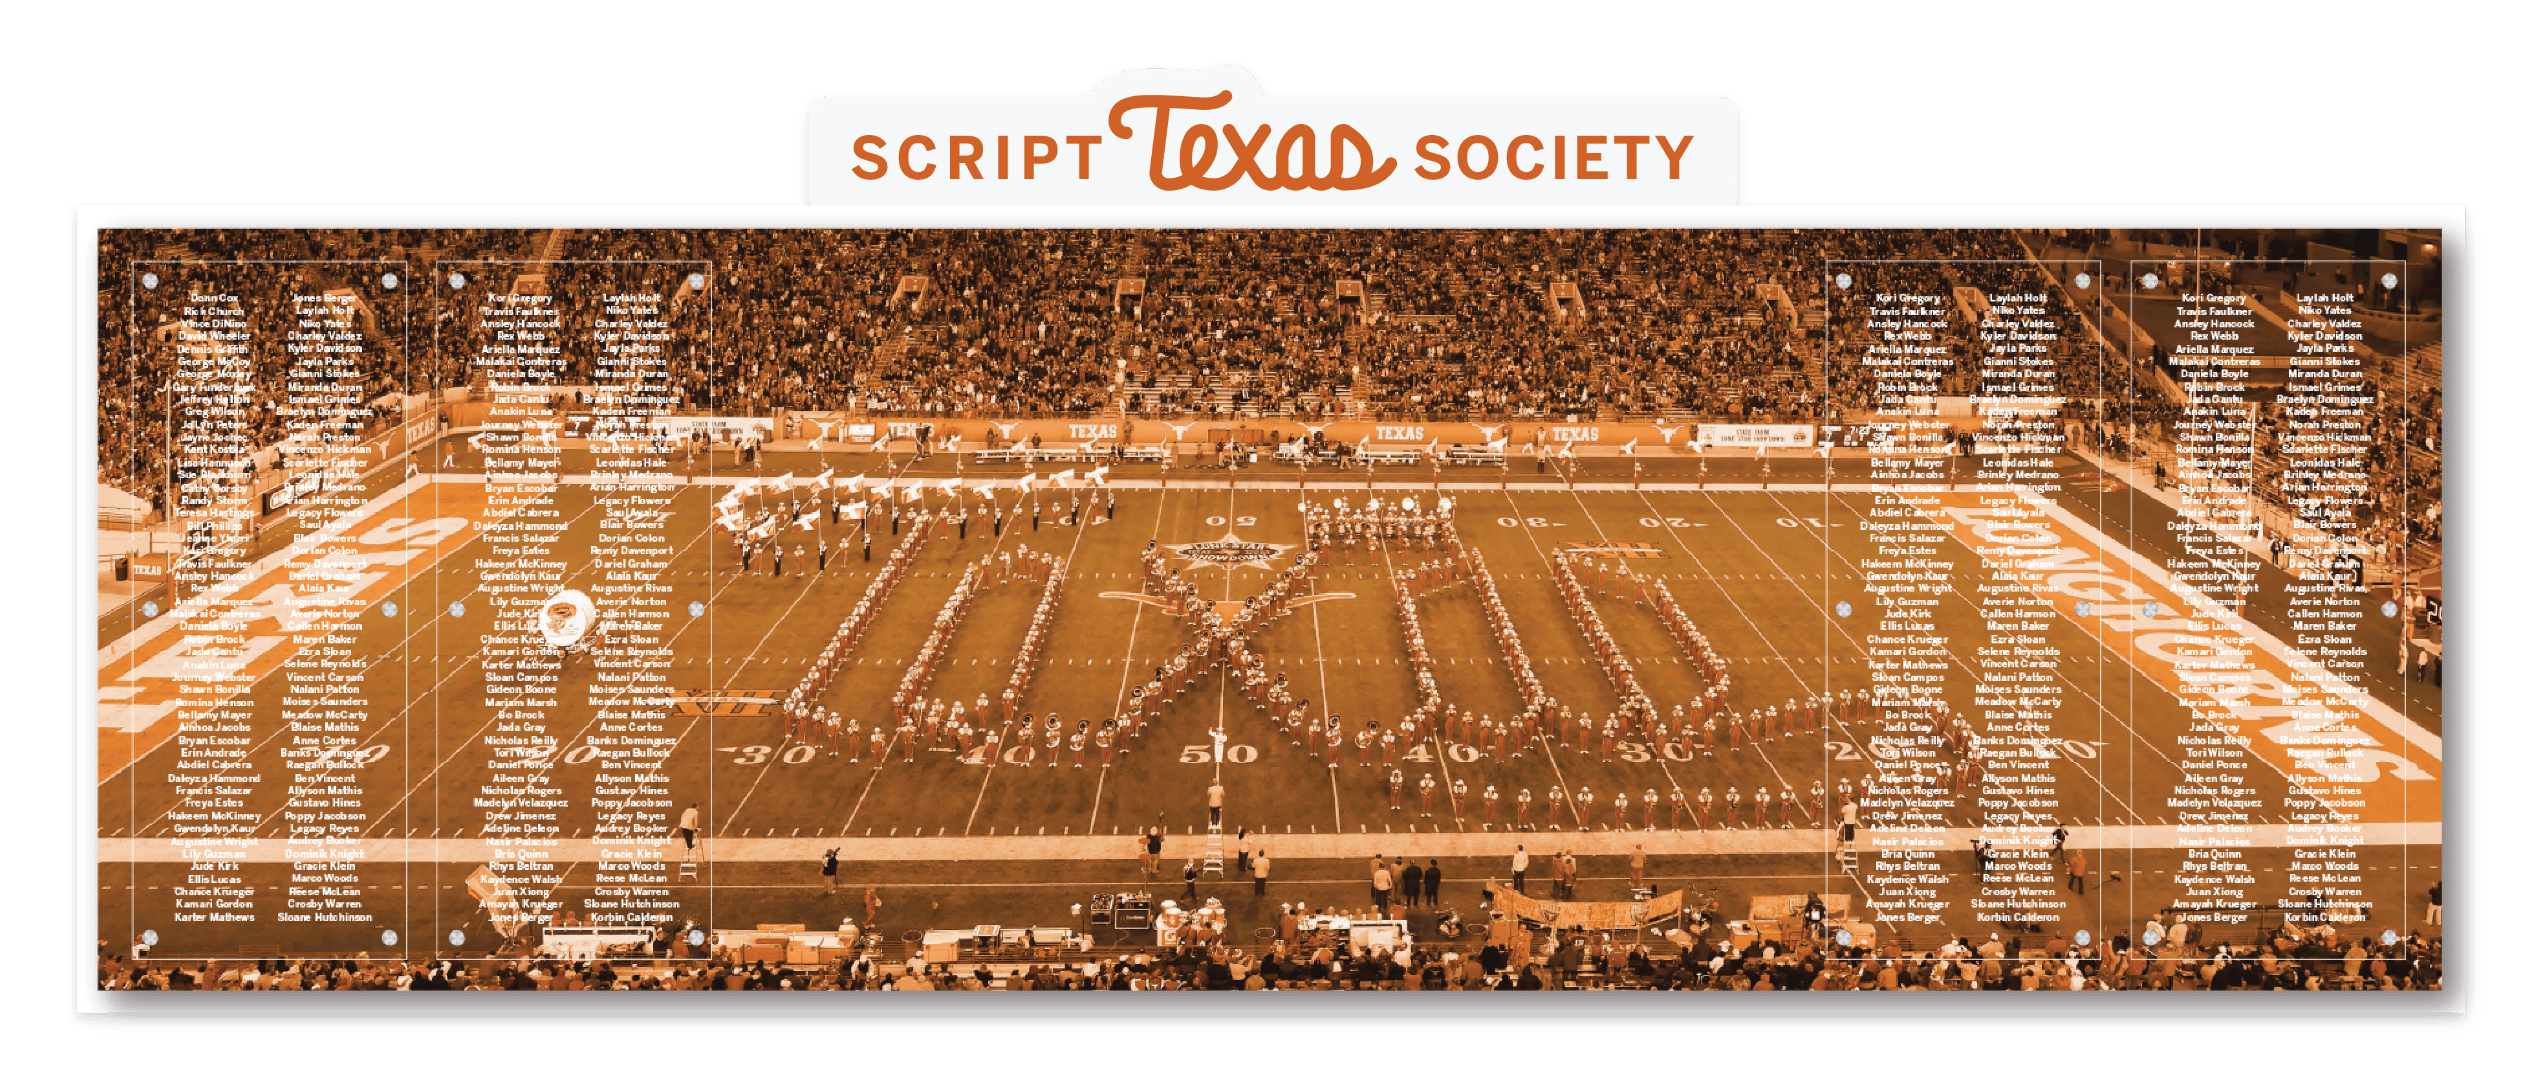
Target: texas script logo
{"points": [[1200, 145]]}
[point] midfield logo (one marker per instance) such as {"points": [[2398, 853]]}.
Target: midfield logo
{"points": [[1229, 552]]}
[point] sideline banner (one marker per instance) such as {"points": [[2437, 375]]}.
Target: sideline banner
{"points": [[1756, 435]]}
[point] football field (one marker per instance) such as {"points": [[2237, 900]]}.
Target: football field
{"points": [[1777, 578]]}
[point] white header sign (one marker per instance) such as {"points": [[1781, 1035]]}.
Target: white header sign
{"points": [[1162, 137]]}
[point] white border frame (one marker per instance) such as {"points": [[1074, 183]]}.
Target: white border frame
{"points": [[2450, 219]]}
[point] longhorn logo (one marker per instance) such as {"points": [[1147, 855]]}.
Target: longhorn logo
{"points": [[1180, 429]]}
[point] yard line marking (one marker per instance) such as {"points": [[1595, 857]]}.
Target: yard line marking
{"points": [[1124, 677], [431, 779], [1069, 557], [1757, 746], [437, 617], [1440, 748], [1317, 637], [770, 632], [1544, 749], [1830, 549], [2133, 733], [1831, 629]]}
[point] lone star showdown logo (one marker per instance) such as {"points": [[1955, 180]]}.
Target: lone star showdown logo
{"points": [[1229, 552]]}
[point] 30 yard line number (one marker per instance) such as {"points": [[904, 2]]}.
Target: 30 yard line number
{"points": [[745, 755]]}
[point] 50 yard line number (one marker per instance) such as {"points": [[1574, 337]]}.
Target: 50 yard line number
{"points": [[1236, 753]]}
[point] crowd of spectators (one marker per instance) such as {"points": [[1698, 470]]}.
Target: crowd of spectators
{"points": [[1305, 324], [1301, 323], [2307, 961], [146, 280], [2132, 412]]}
